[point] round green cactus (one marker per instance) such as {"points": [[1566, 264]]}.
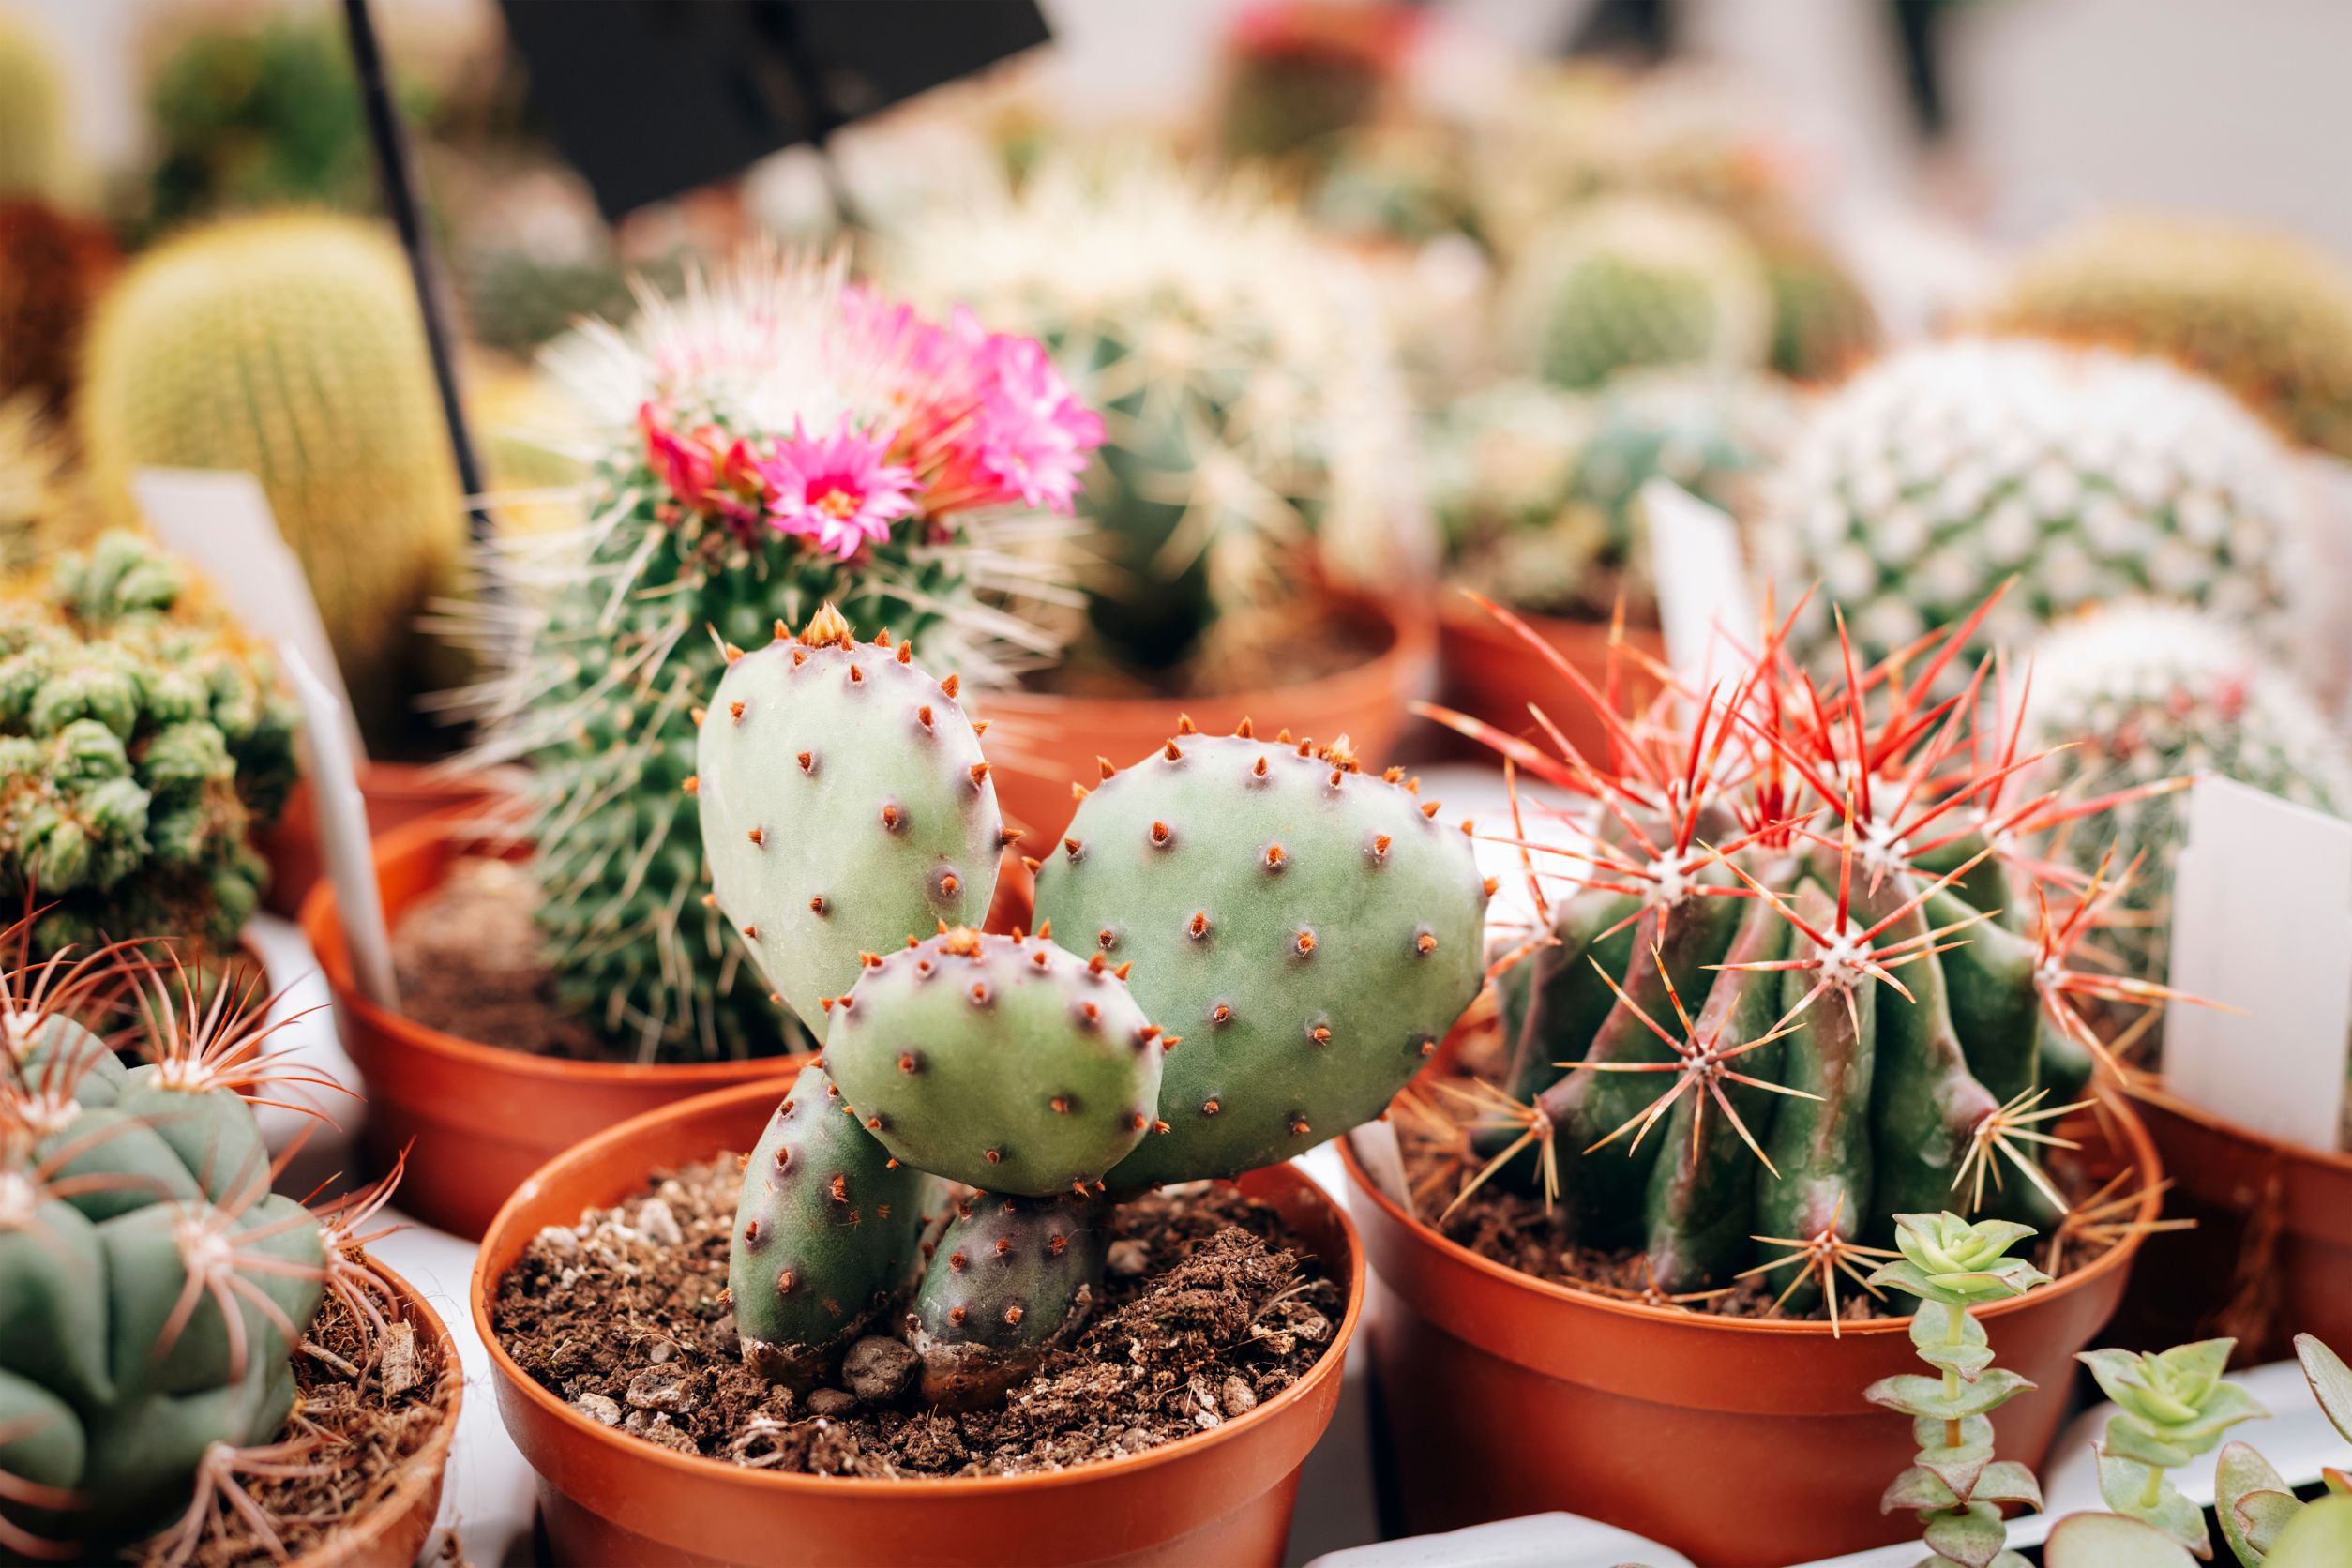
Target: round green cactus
{"points": [[144, 739], [33, 162], [1928, 480]]}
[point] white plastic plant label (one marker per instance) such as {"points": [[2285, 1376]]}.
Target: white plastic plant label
{"points": [[220, 521], [1383, 1157], [1702, 576], [2261, 922], [342, 827]]}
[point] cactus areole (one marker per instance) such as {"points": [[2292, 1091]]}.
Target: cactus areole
{"points": [[1245, 948]]}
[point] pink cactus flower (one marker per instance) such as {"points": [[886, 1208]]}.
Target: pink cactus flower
{"points": [[837, 489]]}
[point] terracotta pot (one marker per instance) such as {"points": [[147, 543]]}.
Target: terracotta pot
{"points": [[2270, 1256], [1221, 1496], [1043, 743], [396, 793], [1741, 1442], [480, 1118], [392, 1533], [1489, 674]]}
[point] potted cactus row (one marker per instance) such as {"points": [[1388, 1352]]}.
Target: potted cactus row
{"points": [[1246, 945]]}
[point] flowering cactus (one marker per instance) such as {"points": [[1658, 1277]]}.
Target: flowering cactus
{"points": [[775, 441], [156, 1286], [1954, 1484], [1313, 928], [144, 740]]}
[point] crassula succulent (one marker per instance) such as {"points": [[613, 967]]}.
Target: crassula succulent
{"points": [[1245, 948], [2171, 1406], [153, 1289], [1940, 472], [775, 440]]}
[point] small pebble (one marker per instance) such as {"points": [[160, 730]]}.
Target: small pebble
{"points": [[559, 1238], [1238, 1398], [878, 1369], [1128, 1259], [661, 1352], [654, 1390], [830, 1401], [657, 1225], [596, 1407]]}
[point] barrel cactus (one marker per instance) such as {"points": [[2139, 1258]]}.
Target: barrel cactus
{"points": [[155, 1289], [34, 160], [1928, 480], [1255, 422], [2263, 314], [773, 440], [1629, 281], [2148, 692], [146, 739], [1273, 942], [290, 346], [1800, 982]]}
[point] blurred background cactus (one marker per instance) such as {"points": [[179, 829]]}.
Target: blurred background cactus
{"points": [[53, 266], [1929, 479], [290, 346], [1299, 73], [41, 510], [35, 158], [146, 739], [1258, 439], [2264, 315]]}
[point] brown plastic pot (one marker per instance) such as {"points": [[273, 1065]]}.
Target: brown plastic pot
{"points": [[393, 1532], [396, 793], [1488, 673], [1221, 1496], [1743, 1443], [2270, 1255], [480, 1118], [1042, 743]]}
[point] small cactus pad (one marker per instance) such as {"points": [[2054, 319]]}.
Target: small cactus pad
{"points": [[825, 1231], [1007, 1064], [1308, 931], [1012, 1278], [845, 807]]}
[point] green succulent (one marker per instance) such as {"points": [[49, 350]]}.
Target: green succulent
{"points": [[2172, 1406]]}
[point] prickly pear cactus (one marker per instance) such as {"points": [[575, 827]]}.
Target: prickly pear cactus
{"points": [[773, 440], [144, 740], [1809, 973], [1010, 1278], [1632, 283], [844, 803], [152, 1287], [1004, 1063], [1926, 482], [1308, 930], [2147, 693]]}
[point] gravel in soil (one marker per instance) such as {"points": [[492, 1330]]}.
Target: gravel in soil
{"points": [[1211, 1308], [468, 960]]}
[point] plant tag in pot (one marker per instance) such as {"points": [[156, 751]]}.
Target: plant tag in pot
{"points": [[1703, 598], [2261, 922]]}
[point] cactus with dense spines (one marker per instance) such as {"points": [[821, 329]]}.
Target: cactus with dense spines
{"points": [[289, 346], [1823, 323], [1929, 479], [1004, 1063], [152, 1287], [774, 441], [1635, 282], [1258, 429], [40, 510], [1309, 930], [144, 740], [1801, 980], [2149, 692], [2263, 314]]}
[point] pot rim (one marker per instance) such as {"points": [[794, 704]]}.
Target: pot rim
{"points": [[597, 1151], [322, 927], [353, 1534], [2151, 1092], [1460, 616], [1412, 637], [2135, 1135]]}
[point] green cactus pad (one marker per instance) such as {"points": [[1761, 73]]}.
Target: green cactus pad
{"points": [[1309, 932], [845, 808], [1008, 1065], [1011, 1278]]}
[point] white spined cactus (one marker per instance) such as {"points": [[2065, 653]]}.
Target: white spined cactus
{"points": [[2146, 692], [1943, 471], [1254, 412]]}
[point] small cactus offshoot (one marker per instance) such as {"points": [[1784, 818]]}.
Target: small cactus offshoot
{"points": [[1272, 943]]}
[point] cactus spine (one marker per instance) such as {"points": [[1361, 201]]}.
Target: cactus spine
{"points": [[771, 442], [1314, 929], [143, 739], [289, 346]]}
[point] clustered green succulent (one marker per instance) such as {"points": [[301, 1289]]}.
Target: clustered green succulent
{"points": [[1954, 1484], [1275, 941], [143, 740]]}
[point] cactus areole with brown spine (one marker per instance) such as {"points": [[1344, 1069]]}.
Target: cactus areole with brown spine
{"points": [[1266, 943]]}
